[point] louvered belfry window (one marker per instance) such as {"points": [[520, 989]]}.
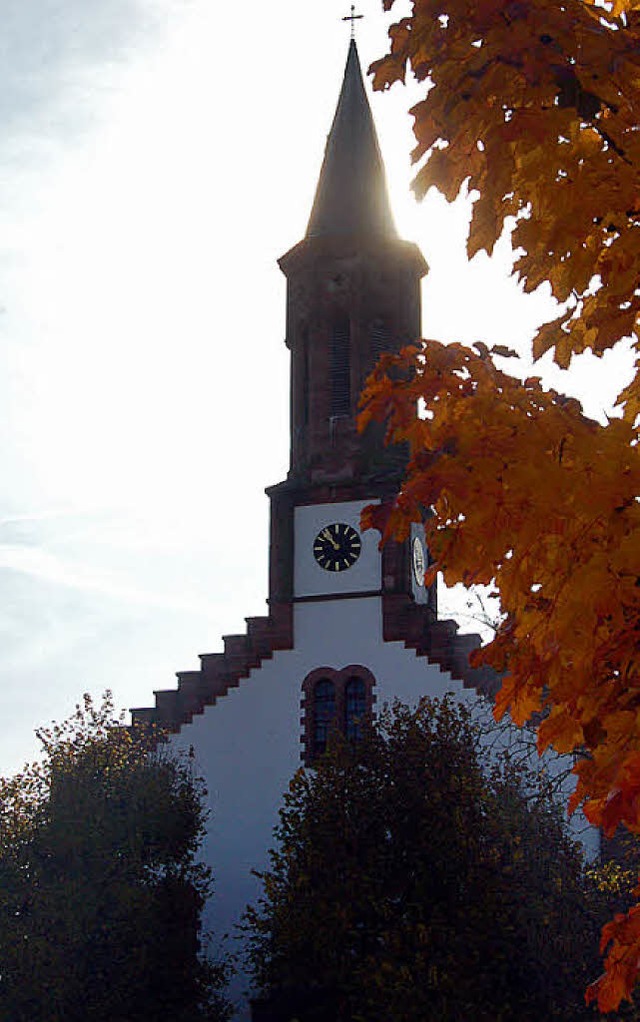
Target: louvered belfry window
{"points": [[379, 339], [305, 377], [340, 368]]}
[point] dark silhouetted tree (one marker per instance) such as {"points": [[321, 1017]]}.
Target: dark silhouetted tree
{"points": [[100, 893], [413, 881]]}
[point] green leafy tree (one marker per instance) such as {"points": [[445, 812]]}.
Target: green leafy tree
{"points": [[100, 893], [411, 882]]}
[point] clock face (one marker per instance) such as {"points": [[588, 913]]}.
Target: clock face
{"points": [[419, 561], [337, 547]]}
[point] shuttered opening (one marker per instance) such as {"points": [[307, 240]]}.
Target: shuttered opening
{"points": [[340, 368], [305, 378], [379, 340]]}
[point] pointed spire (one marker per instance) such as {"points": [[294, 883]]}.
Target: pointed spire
{"points": [[351, 197]]}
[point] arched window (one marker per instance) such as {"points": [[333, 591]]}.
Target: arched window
{"points": [[355, 708], [324, 711], [340, 368], [334, 700]]}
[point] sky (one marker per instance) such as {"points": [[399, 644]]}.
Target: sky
{"points": [[156, 158]]}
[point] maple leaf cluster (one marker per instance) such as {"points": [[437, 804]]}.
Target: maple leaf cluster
{"points": [[535, 107]]}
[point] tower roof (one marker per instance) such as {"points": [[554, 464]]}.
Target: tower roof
{"points": [[351, 197]]}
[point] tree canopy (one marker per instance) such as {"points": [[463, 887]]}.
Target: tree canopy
{"points": [[412, 880], [535, 107], [100, 894]]}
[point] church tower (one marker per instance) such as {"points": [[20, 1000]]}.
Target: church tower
{"points": [[353, 292], [348, 627]]}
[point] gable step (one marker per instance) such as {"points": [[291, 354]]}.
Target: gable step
{"points": [[144, 715], [192, 689], [437, 640], [220, 672], [258, 631], [167, 707], [213, 665], [239, 654]]}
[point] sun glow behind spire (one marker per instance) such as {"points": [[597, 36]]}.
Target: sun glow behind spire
{"points": [[152, 175]]}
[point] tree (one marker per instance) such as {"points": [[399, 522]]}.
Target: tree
{"points": [[411, 882], [100, 894], [535, 108]]}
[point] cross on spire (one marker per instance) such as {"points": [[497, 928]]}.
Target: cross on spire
{"points": [[353, 17]]}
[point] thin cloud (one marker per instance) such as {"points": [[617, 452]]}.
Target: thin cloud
{"points": [[42, 564]]}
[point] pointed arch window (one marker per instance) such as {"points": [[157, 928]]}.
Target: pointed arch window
{"points": [[334, 701], [340, 368]]}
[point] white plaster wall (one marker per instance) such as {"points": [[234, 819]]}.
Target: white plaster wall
{"points": [[247, 746]]}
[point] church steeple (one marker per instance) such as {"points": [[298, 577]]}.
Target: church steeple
{"points": [[353, 292], [351, 197]]}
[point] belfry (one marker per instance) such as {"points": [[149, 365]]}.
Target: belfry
{"points": [[349, 627]]}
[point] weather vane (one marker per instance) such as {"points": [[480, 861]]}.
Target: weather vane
{"points": [[353, 17]]}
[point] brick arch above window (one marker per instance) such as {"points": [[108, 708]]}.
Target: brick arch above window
{"points": [[346, 684]]}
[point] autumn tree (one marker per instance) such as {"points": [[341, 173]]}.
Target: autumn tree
{"points": [[534, 107], [100, 893], [412, 880]]}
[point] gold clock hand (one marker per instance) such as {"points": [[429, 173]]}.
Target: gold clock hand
{"points": [[327, 535]]}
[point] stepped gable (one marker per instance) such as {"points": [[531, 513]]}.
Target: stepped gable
{"points": [[219, 672], [403, 621], [438, 640]]}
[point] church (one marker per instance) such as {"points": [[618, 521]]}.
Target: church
{"points": [[349, 627]]}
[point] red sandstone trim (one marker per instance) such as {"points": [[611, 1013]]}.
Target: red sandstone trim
{"points": [[220, 671], [339, 679], [403, 620]]}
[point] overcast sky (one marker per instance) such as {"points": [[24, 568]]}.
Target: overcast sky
{"points": [[156, 158]]}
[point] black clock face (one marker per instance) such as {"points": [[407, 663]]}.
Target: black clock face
{"points": [[337, 547]]}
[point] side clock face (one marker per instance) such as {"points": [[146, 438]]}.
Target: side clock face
{"points": [[337, 547], [419, 561]]}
